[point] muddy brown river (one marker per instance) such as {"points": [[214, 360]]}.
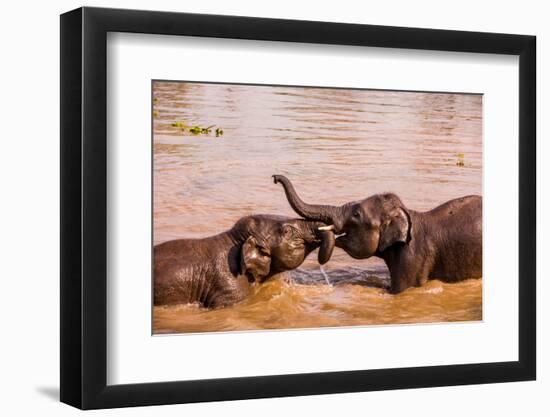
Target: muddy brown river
{"points": [[336, 146]]}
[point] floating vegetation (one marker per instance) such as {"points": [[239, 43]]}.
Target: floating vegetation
{"points": [[207, 130], [197, 130], [460, 162]]}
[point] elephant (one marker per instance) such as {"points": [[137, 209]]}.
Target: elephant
{"points": [[219, 271], [444, 243]]}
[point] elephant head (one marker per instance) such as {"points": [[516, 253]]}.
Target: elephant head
{"points": [[366, 227], [274, 244]]}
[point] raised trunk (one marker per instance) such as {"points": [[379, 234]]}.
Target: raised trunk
{"points": [[331, 215]]}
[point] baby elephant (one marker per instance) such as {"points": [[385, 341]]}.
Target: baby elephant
{"points": [[444, 243], [218, 271]]}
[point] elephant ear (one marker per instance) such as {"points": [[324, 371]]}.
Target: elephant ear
{"points": [[255, 259], [397, 228]]}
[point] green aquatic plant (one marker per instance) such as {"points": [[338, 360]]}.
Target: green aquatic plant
{"points": [[196, 129], [207, 130], [460, 162], [179, 124]]}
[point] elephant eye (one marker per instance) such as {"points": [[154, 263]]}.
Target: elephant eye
{"points": [[356, 213]]}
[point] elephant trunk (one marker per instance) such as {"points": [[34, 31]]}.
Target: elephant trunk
{"points": [[328, 242], [331, 215], [314, 233]]}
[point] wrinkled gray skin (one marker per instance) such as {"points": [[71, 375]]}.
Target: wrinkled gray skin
{"points": [[218, 271], [444, 243]]}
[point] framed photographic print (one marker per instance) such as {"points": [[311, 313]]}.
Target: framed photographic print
{"points": [[306, 207]]}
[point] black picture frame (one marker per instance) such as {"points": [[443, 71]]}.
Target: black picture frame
{"points": [[84, 207]]}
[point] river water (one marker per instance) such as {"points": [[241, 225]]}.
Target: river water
{"points": [[335, 145]]}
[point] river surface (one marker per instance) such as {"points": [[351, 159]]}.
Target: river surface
{"points": [[335, 145]]}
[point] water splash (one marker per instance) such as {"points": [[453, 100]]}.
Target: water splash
{"points": [[325, 275], [434, 290]]}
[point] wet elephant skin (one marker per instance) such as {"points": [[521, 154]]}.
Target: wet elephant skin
{"points": [[444, 243], [218, 271]]}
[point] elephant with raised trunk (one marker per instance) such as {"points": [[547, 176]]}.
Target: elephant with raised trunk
{"points": [[218, 271], [444, 243]]}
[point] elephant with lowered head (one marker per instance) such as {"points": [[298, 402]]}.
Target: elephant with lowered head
{"points": [[444, 243], [218, 271]]}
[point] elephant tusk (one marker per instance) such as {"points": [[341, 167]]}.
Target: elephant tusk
{"points": [[331, 227]]}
